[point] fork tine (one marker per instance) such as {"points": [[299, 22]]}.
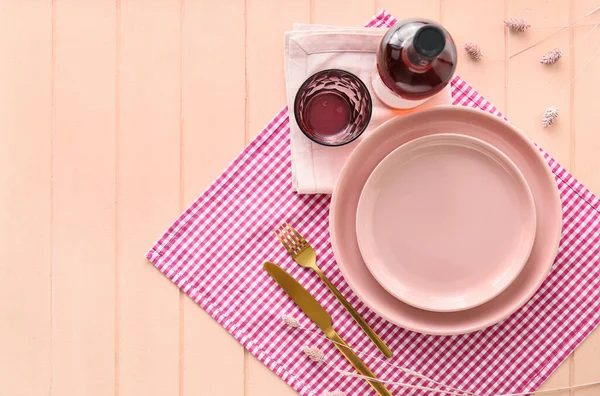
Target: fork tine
{"points": [[289, 238], [283, 242], [300, 241], [298, 236]]}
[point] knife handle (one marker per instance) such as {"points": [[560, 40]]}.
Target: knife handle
{"points": [[357, 318], [356, 362]]}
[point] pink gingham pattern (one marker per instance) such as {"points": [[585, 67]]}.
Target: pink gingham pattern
{"points": [[214, 252]]}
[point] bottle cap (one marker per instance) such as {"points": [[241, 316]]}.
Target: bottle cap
{"points": [[429, 41]]}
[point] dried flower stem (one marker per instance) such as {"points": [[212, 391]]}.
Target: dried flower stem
{"points": [[587, 63], [346, 373], [595, 26], [561, 26], [595, 10], [551, 113], [317, 355], [313, 352], [405, 385], [553, 390], [475, 52], [555, 33]]}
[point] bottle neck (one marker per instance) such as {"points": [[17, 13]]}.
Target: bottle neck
{"points": [[415, 61]]}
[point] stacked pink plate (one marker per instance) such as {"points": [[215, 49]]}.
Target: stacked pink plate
{"points": [[445, 221]]}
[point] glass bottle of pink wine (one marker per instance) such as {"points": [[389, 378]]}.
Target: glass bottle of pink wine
{"points": [[416, 60]]}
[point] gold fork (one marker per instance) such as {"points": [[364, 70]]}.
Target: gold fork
{"points": [[305, 255]]}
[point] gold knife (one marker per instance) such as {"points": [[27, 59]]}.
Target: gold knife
{"points": [[321, 318]]}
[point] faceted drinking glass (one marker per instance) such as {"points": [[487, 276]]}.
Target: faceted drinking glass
{"points": [[333, 107]]}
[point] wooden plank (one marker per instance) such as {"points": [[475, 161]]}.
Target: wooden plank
{"points": [[485, 29], [262, 381], [342, 12], [25, 197], [533, 86], [586, 96], [559, 379], [213, 134], [148, 193], [83, 318], [411, 9], [267, 21], [586, 367]]}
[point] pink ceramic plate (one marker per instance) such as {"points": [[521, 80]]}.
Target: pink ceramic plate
{"points": [[448, 119], [445, 222]]}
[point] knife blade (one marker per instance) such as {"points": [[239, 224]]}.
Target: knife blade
{"points": [[315, 311]]}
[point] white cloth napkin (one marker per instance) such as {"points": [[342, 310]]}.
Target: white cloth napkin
{"points": [[308, 49]]}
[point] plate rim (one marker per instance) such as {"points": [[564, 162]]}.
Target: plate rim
{"points": [[548, 174]]}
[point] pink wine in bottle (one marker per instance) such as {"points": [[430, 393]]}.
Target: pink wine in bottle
{"points": [[416, 60]]}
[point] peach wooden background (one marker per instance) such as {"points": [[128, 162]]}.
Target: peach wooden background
{"points": [[115, 115]]}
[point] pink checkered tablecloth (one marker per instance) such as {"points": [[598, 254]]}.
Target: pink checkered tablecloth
{"points": [[214, 252]]}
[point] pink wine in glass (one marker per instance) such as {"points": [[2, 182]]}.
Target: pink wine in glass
{"points": [[328, 113], [416, 60], [333, 107]]}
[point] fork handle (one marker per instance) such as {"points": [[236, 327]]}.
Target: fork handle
{"points": [[361, 322]]}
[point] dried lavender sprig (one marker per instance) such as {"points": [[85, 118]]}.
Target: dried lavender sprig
{"points": [[517, 24], [551, 57], [550, 115], [473, 50]]}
